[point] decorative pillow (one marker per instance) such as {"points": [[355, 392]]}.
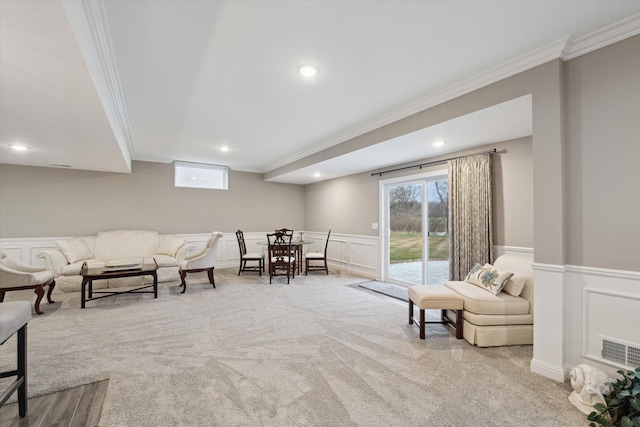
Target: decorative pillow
{"points": [[515, 285], [74, 250], [169, 245], [488, 278]]}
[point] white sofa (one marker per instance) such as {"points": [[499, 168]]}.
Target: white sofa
{"points": [[111, 246], [502, 319]]}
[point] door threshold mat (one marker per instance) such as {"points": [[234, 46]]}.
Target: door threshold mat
{"points": [[389, 289]]}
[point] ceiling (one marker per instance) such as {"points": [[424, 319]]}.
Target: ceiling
{"points": [[93, 85]]}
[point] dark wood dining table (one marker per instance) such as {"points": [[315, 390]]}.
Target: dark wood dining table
{"points": [[297, 246]]}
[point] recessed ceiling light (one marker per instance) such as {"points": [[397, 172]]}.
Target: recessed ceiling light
{"points": [[438, 143], [317, 174], [19, 147], [308, 70], [224, 148]]}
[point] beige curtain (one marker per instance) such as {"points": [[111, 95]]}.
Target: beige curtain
{"points": [[470, 214]]}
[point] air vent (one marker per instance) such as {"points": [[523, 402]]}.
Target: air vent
{"points": [[633, 356], [620, 352]]}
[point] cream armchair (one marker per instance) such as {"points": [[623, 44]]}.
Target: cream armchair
{"points": [[204, 260], [15, 276]]}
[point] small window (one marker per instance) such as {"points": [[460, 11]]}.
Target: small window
{"points": [[200, 175]]}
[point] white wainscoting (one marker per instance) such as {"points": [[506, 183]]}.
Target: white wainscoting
{"points": [[590, 304], [27, 250], [346, 252], [501, 250], [600, 303], [548, 320], [352, 253]]}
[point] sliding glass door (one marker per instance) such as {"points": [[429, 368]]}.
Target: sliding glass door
{"points": [[437, 231], [406, 242], [417, 231]]}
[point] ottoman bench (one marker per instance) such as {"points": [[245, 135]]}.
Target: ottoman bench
{"points": [[436, 297]]}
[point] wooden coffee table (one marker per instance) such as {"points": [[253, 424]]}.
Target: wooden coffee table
{"points": [[89, 274]]}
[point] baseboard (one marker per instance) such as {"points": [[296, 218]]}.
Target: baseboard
{"points": [[555, 373]]}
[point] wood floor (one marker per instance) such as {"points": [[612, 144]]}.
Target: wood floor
{"points": [[79, 406]]}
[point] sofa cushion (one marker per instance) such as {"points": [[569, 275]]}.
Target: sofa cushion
{"points": [[74, 249], [479, 301], [498, 319], [514, 285], [488, 278], [126, 244], [435, 297], [169, 245]]}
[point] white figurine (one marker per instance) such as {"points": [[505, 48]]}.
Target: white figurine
{"points": [[588, 387]]}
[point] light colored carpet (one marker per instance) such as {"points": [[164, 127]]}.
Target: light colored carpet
{"points": [[318, 352]]}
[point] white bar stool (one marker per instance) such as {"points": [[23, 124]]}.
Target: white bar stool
{"points": [[14, 317]]}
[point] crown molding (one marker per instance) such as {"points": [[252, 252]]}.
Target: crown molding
{"points": [[565, 48], [605, 36]]}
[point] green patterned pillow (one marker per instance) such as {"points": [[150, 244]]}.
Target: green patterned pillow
{"points": [[488, 278]]}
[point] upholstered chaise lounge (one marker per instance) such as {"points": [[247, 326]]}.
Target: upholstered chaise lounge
{"points": [[502, 319], [109, 246]]}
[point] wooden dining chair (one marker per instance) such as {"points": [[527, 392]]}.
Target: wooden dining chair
{"points": [[317, 256], [248, 257], [280, 256], [296, 250]]}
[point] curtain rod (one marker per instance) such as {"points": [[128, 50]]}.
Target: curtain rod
{"points": [[435, 162]]}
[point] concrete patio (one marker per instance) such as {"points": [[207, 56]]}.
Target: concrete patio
{"points": [[411, 272]]}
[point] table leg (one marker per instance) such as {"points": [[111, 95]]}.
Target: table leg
{"points": [[155, 284], [83, 296]]}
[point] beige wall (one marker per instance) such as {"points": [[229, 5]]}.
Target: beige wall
{"points": [[351, 204], [603, 151], [49, 202], [585, 149], [345, 205], [513, 193]]}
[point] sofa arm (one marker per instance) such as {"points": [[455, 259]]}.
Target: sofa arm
{"points": [[55, 260], [184, 250], [11, 278]]}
